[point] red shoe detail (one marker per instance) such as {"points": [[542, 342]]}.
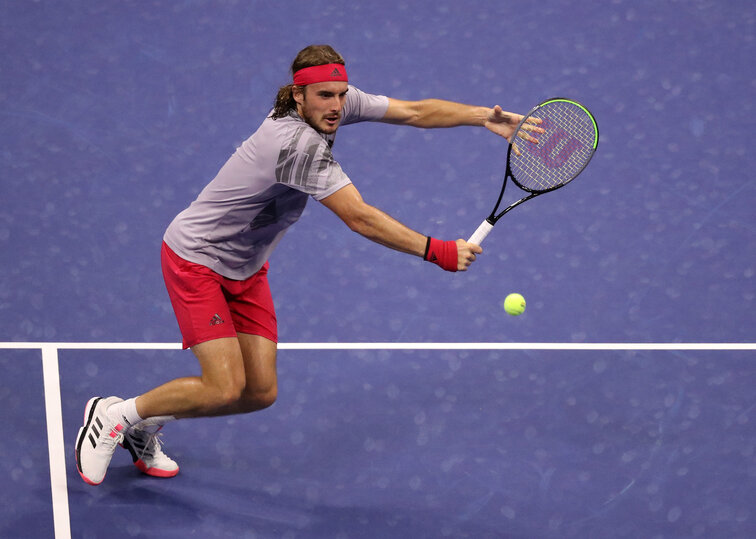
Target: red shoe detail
{"points": [[155, 472]]}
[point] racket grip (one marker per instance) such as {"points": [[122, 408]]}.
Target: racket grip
{"points": [[480, 234]]}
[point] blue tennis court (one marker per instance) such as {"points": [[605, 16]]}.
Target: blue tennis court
{"points": [[620, 404]]}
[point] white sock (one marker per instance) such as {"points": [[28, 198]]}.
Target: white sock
{"points": [[154, 424], [124, 413]]}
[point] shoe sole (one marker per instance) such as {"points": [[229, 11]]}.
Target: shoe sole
{"points": [[142, 467], [155, 472], [88, 416]]}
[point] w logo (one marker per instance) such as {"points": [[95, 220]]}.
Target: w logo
{"points": [[555, 151]]}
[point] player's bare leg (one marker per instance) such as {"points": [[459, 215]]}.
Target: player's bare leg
{"points": [[238, 376], [261, 389], [220, 384]]}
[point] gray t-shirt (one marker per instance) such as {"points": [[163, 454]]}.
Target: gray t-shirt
{"points": [[241, 215]]}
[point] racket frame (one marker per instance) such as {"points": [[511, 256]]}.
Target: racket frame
{"points": [[491, 220]]}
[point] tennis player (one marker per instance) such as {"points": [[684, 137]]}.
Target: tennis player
{"points": [[215, 254]]}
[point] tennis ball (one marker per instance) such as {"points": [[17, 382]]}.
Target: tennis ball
{"points": [[514, 304]]}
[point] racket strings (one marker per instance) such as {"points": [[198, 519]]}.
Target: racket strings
{"points": [[562, 152]]}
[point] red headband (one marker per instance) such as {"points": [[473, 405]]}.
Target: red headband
{"points": [[321, 73]]}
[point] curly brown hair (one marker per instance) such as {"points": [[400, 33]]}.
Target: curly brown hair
{"points": [[313, 55]]}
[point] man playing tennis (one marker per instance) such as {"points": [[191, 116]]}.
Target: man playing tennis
{"points": [[215, 254]]}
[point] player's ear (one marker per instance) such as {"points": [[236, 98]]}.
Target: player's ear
{"points": [[297, 93]]}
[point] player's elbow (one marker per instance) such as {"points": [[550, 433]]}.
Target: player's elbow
{"points": [[404, 112], [358, 215], [360, 219], [357, 222], [414, 115]]}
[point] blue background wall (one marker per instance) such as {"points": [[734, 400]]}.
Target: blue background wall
{"points": [[116, 115]]}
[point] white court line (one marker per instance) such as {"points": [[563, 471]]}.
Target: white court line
{"points": [[401, 346], [53, 410], [55, 446], [515, 346]]}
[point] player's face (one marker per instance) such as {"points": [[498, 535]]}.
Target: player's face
{"points": [[320, 104]]}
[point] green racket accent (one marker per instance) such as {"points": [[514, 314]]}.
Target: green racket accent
{"points": [[595, 125]]}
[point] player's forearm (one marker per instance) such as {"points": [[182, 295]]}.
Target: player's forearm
{"points": [[372, 223], [381, 228], [433, 113]]}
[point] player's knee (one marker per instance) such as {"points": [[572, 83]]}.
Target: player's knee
{"points": [[226, 395], [259, 399], [268, 399]]}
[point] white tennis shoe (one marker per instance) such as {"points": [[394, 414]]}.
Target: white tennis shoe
{"points": [[97, 440], [147, 452]]}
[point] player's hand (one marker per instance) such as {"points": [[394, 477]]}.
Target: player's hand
{"points": [[466, 254], [504, 123]]}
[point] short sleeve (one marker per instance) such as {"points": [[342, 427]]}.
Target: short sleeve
{"points": [[363, 107], [307, 164]]}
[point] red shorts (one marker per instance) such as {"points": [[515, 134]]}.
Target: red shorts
{"points": [[209, 306]]}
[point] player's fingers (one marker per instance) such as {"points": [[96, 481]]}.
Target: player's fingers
{"points": [[526, 137], [464, 261], [532, 128], [471, 247]]}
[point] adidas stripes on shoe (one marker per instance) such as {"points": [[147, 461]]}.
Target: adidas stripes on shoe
{"points": [[97, 440], [147, 453]]}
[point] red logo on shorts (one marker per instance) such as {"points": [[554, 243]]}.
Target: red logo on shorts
{"points": [[215, 320]]}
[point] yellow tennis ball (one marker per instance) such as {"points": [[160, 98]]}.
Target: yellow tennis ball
{"points": [[514, 304]]}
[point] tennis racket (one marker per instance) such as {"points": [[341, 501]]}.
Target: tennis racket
{"points": [[564, 149]]}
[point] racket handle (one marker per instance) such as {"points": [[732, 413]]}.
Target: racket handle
{"points": [[480, 234]]}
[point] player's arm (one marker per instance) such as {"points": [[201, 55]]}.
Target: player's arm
{"points": [[432, 113], [380, 227]]}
